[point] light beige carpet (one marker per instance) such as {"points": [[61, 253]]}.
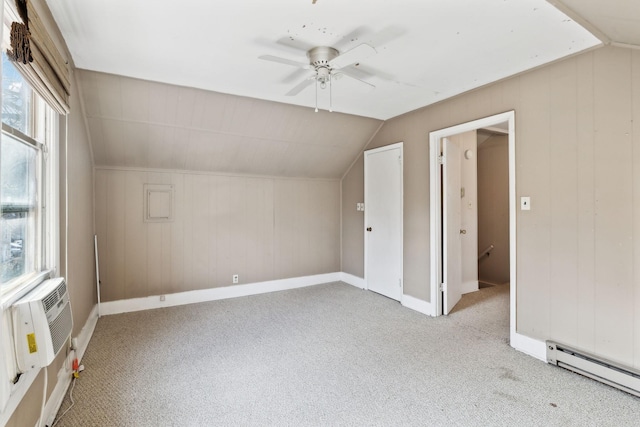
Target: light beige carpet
{"points": [[329, 355]]}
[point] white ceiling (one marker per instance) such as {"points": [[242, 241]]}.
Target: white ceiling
{"points": [[427, 50], [617, 20]]}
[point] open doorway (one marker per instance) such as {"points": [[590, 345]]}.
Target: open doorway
{"points": [[492, 206], [458, 249]]}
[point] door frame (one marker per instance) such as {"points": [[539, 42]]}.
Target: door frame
{"points": [[435, 138], [366, 215]]}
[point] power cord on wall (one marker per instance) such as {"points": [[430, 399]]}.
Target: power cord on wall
{"points": [[77, 368], [73, 383]]}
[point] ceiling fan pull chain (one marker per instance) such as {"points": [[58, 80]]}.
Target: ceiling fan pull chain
{"points": [[330, 94], [316, 95]]}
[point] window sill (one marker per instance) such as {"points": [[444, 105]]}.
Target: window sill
{"points": [[20, 290]]}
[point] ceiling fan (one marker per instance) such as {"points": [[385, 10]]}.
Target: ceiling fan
{"points": [[327, 64]]}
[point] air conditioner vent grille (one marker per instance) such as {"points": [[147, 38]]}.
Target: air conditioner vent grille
{"points": [[62, 289], [50, 300], [60, 327]]}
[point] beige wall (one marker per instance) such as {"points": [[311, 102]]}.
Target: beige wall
{"points": [[75, 168], [578, 158], [80, 276], [493, 209], [259, 228], [353, 220]]}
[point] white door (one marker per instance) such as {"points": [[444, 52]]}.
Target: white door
{"points": [[451, 222], [383, 220]]}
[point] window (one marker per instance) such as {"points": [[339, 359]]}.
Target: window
{"points": [[19, 209], [27, 135], [33, 96]]}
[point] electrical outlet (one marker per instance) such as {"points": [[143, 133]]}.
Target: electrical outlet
{"points": [[162, 297], [235, 278]]}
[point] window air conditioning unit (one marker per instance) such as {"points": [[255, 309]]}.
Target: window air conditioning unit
{"points": [[42, 324]]}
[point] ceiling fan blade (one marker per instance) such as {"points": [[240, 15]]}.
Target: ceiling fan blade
{"points": [[284, 61], [358, 34], [295, 76], [301, 86], [357, 73], [364, 84], [352, 56], [292, 42], [364, 72], [386, 35]]}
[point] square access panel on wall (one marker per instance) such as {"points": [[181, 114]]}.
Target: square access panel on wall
{"points": [[158, 203]]}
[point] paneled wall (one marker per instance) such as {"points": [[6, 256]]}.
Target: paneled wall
{"points": [[578, 158], [353, 220], [259, 228], [142, 124], [80, 263]]}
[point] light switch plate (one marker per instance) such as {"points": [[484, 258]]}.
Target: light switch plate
{"points": [[525, 203]]}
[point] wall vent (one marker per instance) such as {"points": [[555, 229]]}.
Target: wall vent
{"points": [[615, 375]]}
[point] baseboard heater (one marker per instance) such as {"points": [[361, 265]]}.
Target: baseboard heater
{"points": [[591, 366]]}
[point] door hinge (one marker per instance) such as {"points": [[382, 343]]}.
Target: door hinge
{"points": [[440, 159], [441, 287]]}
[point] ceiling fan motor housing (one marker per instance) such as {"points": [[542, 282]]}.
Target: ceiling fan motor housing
{"points": [[319, 58]]}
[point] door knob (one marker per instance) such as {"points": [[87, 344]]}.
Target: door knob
{"points": [[463, 231], [368, 228]]}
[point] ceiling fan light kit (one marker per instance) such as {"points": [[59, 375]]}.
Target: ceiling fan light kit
{"points": [[325, 62]]}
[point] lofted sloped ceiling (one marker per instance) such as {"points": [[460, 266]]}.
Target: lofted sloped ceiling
{"points": [[180, 85], [424, 50], [615, 21], [141, 124]]}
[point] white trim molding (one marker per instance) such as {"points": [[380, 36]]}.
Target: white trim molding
{"points": [[87, 332], [418, 305], [214, 294], [352, 280], [520, 342], [529, 346], [64, 374], [435, 138]]}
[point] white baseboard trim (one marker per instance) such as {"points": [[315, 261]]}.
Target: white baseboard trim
{"points": [[417, 304], [57, 395], [87, 332], [64, 374], [352, 280], [214, 294], [529, 346]]}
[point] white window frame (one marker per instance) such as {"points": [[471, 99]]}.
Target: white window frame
{"points": [[47, 254], [45, 127]]}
